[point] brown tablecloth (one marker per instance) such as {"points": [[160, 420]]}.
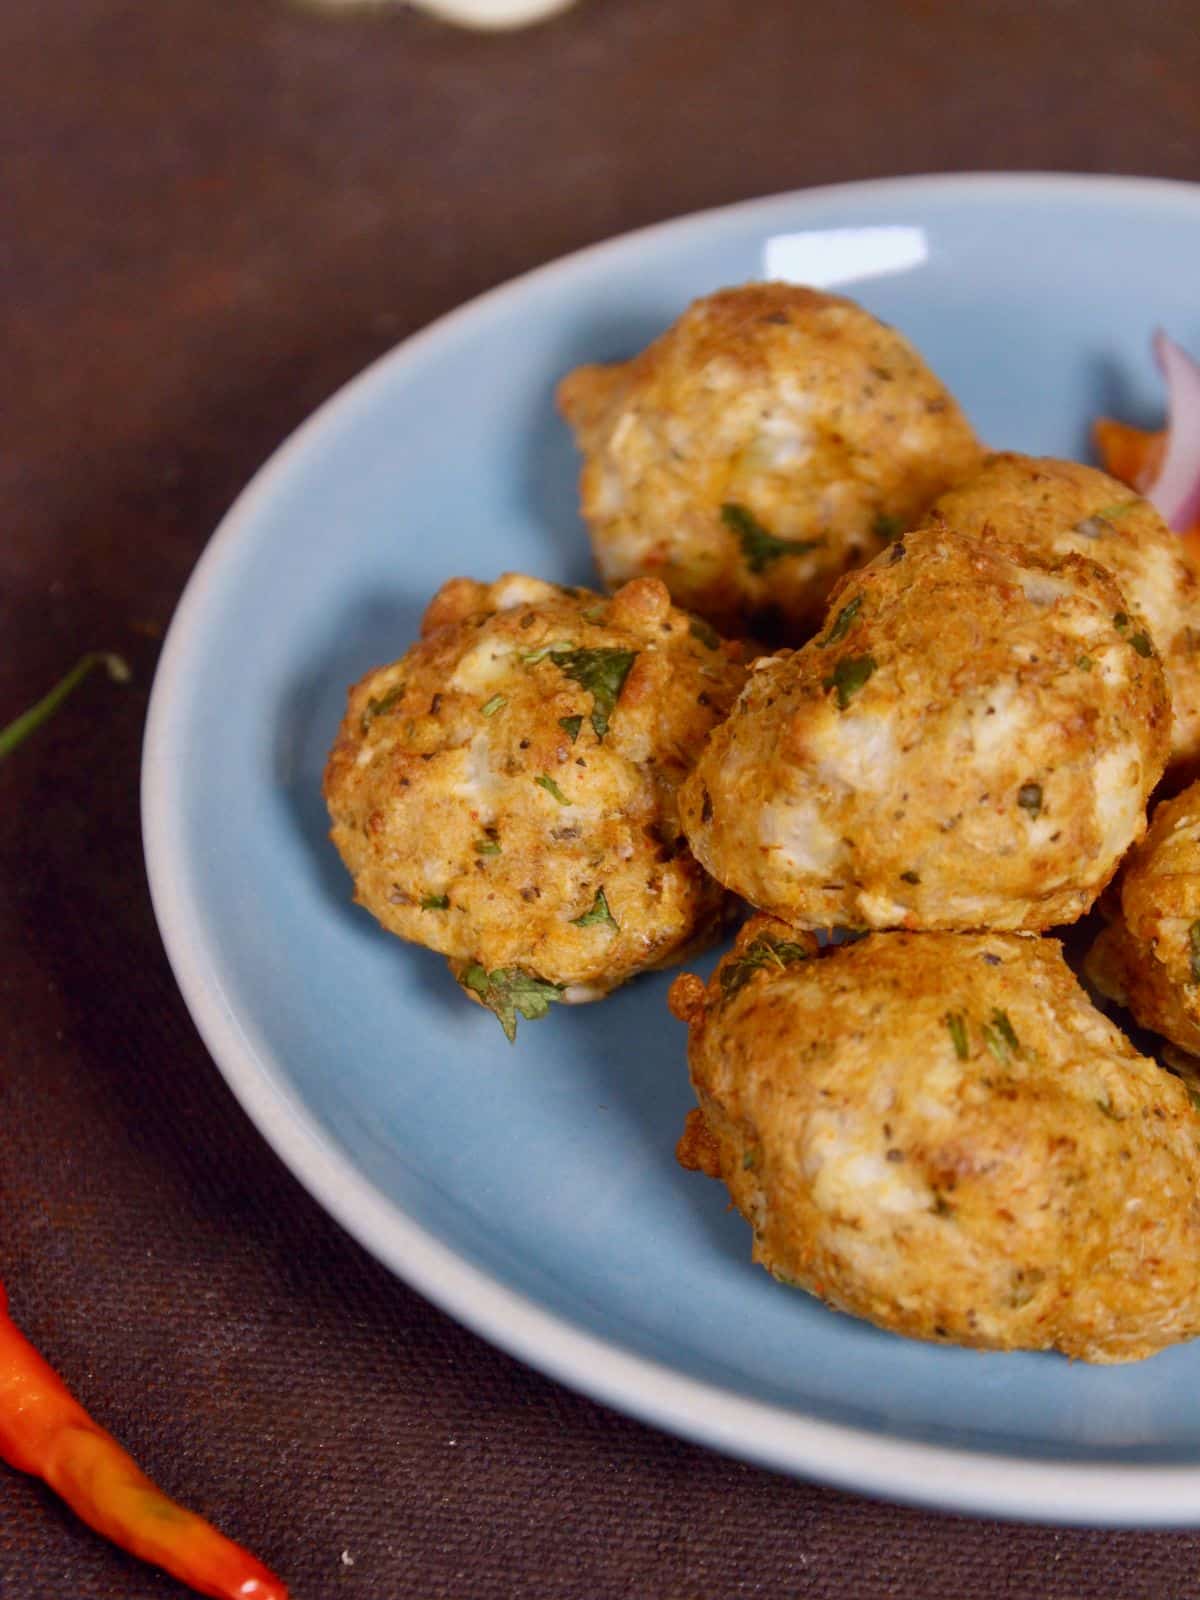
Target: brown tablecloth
{"points": [[213, 212]]}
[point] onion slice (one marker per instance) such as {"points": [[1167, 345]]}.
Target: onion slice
{"points": [[1175, 492]]}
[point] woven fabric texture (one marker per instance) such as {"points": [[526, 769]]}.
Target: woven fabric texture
{"points": [[215, 211]]}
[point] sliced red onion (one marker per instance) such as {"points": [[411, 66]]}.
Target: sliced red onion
{"points": [[1175, 491]]}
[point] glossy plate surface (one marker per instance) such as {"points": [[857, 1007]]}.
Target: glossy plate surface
{"points": [[532, 1192]]}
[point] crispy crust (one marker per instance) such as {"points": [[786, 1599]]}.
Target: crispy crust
{"points": [[1056, 508], [969, 743], [939, 1133], [483, 798], [1147, 959], [798, 407]]}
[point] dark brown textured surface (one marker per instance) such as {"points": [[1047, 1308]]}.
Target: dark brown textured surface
{"points": [[214, 211]]}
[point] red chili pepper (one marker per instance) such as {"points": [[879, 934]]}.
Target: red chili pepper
{"points": [[1135, 455], [1131, 454], [45, 1431]]}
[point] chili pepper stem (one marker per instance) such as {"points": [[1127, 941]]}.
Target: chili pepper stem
{"points": [[19, 729]]}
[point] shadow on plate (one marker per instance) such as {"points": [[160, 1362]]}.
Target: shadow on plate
{"points": [[1113, 394]]}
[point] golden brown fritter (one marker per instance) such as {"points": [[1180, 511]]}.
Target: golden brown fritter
{"points": [[773, 438], [938, 1132], [1056, 507], [1148, 959], [506, 792], [969, 743]]}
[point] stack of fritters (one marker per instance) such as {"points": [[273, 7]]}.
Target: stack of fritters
{"points": [[931, 1126], [927, 1124]]}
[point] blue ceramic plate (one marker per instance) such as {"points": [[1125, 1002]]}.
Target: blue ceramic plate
{"points": [[532, 1191]]}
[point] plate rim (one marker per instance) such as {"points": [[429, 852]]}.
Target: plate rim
{"points": [[858, 1459]]}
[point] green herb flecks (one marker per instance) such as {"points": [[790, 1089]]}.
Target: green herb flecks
{"points": [[530, 658], [1194, 951], [436, 902], [571, 726], [887, 526], [496, 703], [1101, 523], [602, 673], [1120, 621], [760, 953], [957, 1024], [849, 676], [379, 706], [1142, 645], [759, 546], [545, 781], [19, 729], [487, 847], [709, 637], [842, 622], [599, 913], [1029, 798], [1000, 1037], [1084, 663], [1094, 527], [509, 991]]}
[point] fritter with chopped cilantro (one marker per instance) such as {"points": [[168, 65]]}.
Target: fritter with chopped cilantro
{"points": [[505, 793], [773, 438], [969, 741], [938, 1132]]}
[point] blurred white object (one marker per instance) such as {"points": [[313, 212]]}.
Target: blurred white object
{"points": [[467, 13], [824, 258], [493, 13]]}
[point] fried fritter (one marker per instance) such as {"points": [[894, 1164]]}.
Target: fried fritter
{"points": [[773, 438], [1056, 507], [969, 743], [1148, 958], [505, 793], [939, 1133]]}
